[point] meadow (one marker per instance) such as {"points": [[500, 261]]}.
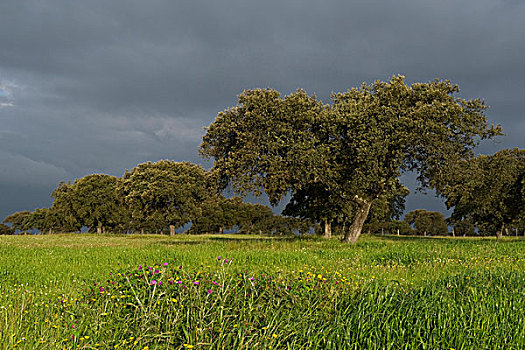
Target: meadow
{"points": [[90, 291]]}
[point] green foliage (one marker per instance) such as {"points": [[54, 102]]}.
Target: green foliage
{"points": [[6, 230], [427, 222], [165, 193], [97, 204], [91, 201], [488, 190], [398, 226], [349, 153], [19, 221], [67, 219]]}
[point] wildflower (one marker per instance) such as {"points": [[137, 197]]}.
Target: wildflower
{"points": [[196, 283], [165, 264], [153, 282], [214, 283], [188, 346], [210, 291], [219, 258]]}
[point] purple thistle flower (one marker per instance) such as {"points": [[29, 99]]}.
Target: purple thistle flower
{"points": [[156, 271], [196, 283], [219, 257], [251, 278], [153, 282], [140, 267], [215, 283], [160, 282], [165, 264], [210, 291]]}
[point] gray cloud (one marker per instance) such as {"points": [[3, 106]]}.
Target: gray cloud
{"points": [[101, 86]]}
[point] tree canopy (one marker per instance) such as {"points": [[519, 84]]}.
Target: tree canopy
{"points": [[488, 190], [165, 193], [6, 230], [427, 222], [347, 153]]}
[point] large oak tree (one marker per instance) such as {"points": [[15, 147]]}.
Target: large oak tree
{"points": [[354, 148]]}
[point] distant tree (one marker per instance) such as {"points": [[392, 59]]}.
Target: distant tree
{"points": [[353, 150], [399, 227], [6, 230], [19, 221], [313, 202], [255, 219], [165, 194], [67, 219], [464, 227], [427, 222], [41, 220], [96, 203], [385, 209], [488, 190]]}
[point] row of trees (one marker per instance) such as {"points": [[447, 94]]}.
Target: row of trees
{"points": [[153, 197], [339, 162]]}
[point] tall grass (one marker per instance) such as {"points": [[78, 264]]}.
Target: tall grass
{"points": [[86, 291]]}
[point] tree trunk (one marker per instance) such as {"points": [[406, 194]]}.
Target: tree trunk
{"points": [[327, 229], [141, 231], [398, 232], [50, 231], [352, 235], [172, 230], [221, 230], [453, 232], [99, 228], [499, 233]]}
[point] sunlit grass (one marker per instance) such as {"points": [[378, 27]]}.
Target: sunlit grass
{"points": [[280, 292]]}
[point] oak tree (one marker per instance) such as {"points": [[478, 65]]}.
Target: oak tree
{"points": [[165, 194], [353, 149], [488, 190]]}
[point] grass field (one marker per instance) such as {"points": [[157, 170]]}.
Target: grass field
{"points": [[157, 292]]}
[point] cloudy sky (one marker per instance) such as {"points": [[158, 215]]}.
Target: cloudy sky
{"points": [[100, 86]]}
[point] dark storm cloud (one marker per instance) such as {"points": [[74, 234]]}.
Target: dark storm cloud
{"points": [[100, 86]]}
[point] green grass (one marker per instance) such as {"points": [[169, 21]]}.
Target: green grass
{"points": [[306, 293]]}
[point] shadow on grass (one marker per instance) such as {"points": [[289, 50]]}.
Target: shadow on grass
{"points": [[201, 239], [255, 238], [180, 242], [450, 239]]}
